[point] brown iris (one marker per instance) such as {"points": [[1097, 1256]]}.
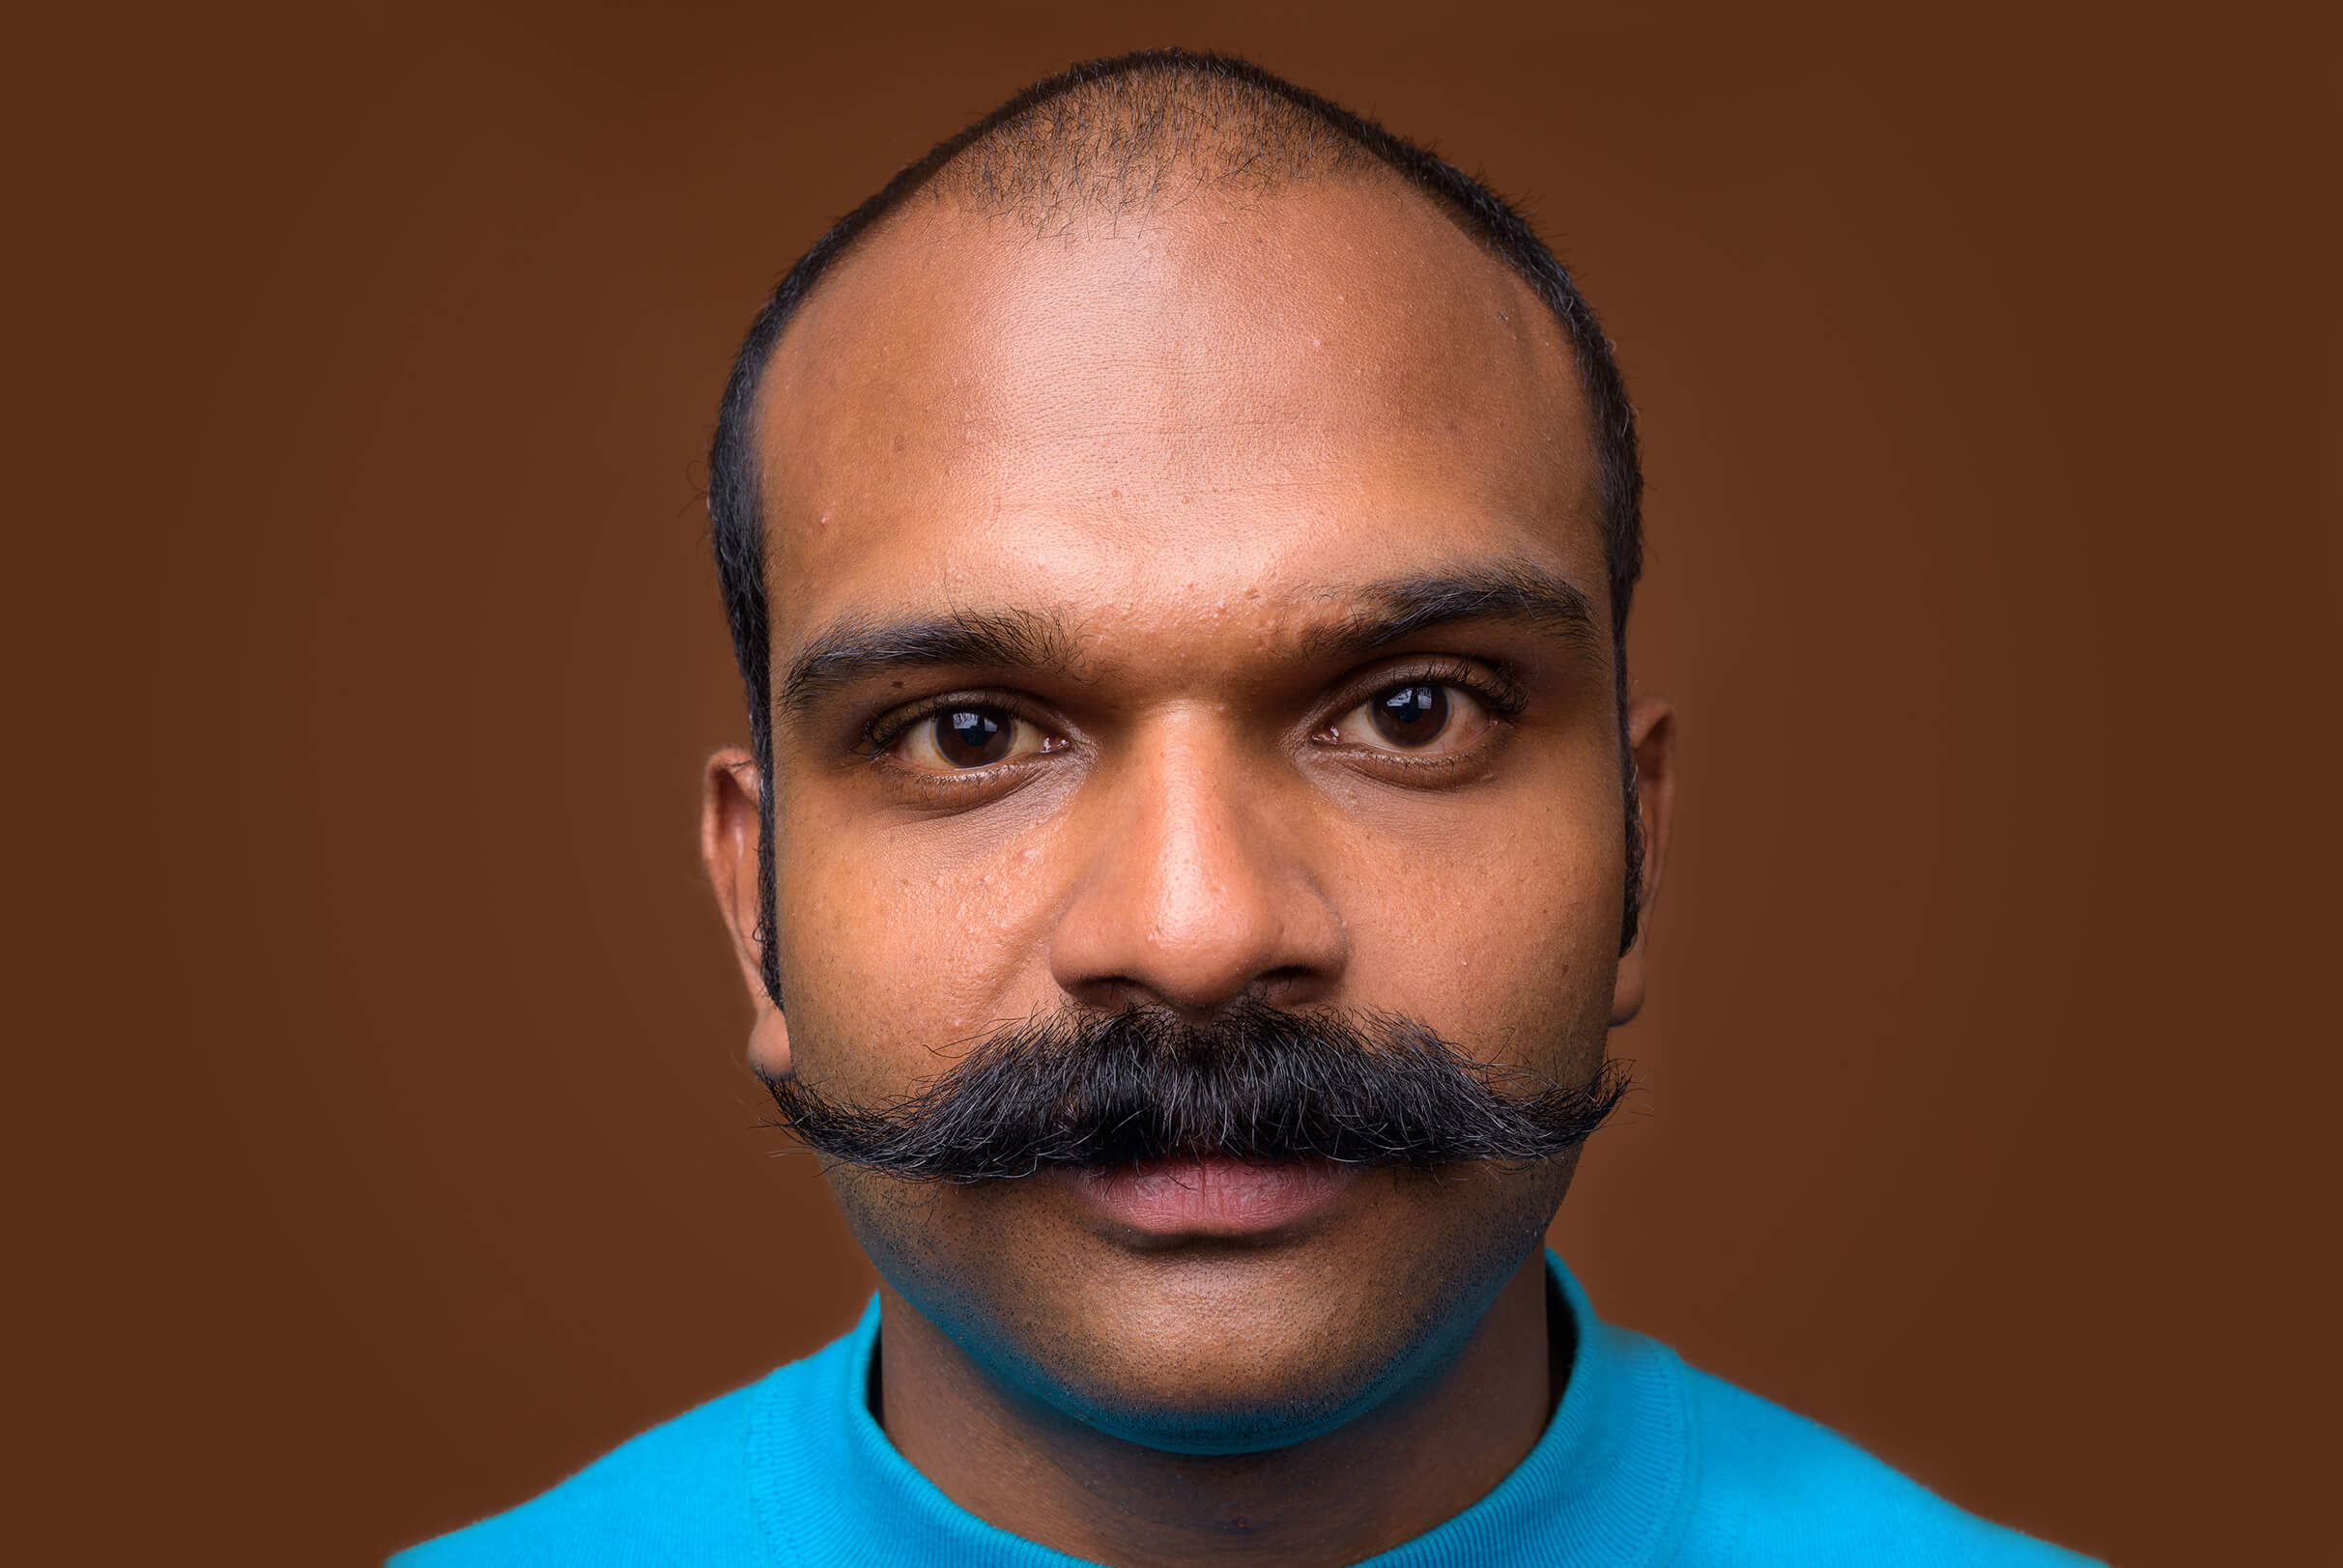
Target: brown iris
{"points": [[973, 737], [1411, 716]]}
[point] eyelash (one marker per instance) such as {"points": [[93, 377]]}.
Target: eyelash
{"points": [[1494, 687], [886, 729]]}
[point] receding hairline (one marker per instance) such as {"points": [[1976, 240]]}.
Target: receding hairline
{"points": [[1192, 231], [1138, 134], [1021, 180]]}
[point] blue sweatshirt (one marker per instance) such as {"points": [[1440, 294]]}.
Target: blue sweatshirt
{"points": [[1647, 1463]]}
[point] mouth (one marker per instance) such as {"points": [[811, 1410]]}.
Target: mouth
{"points": [[1212, 1195]]}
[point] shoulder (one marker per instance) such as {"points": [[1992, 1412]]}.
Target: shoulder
{"points": [[678, 1493], [1774, 1488]]}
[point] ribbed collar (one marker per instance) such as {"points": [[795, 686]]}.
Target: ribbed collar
{"points": [[1606, 1487]]}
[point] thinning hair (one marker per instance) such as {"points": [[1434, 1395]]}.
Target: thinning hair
{"points": [[1122, 137]]}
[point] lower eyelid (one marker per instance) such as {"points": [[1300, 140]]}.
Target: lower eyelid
{"points": [[950, 778], [957, 781]]}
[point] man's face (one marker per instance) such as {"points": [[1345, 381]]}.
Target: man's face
{"points": [[1186, 461]]}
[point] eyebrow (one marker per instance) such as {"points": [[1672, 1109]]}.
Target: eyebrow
{"points": [[1518, 592], [860, 646]]}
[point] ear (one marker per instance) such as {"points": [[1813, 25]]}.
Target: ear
{"points": [[728, 836], [1651, 738]]}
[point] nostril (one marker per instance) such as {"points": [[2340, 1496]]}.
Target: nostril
{"points": [[1112, 993], [1293, 984]]}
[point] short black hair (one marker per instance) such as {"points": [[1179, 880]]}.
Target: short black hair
{"points": [[1115, 126]]}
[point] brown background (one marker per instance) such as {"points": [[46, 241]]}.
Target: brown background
{"points": [[380, 1138]]}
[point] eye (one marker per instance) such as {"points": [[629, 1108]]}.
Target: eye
{"points": [[1422, 718], [967, 735]]}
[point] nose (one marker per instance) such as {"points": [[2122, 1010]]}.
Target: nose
{"points": [[1198, 888]]}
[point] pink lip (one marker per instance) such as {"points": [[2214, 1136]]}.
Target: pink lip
{"points": [[1213, 1196]]}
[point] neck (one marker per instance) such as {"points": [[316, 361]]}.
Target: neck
{"points": [[1419, 1458]]}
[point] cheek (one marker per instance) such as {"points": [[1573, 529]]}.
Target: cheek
{"points": [[897, 940], [1505, 929]]}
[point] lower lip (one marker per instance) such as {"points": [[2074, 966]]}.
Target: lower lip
{"points": [[1215, 1196]]}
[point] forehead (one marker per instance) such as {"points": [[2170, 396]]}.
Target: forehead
{"points": [[1165, 412]]}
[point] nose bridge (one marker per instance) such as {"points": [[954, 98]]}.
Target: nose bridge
{"points": [[1199, 886]]}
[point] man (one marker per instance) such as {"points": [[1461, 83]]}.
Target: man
{"points": [[1194, 843]]}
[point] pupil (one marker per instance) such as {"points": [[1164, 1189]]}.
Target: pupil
{"points": [[1411, 715], [971, 738]]}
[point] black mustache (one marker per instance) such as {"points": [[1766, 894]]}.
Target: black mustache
{"points": [[1257, 1084]]}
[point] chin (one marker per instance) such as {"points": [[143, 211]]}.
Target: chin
{"points": [[1231, 1351], [1218, 1366], [1241, 1422]]}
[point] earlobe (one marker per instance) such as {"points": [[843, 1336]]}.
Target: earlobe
{"points": [[1627, 990], [1651, 736], [769, 1041]]}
